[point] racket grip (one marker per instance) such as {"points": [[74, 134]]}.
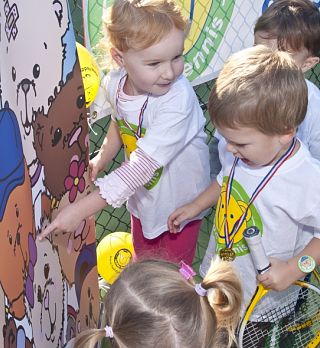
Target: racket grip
{"points": [[258, 254]]}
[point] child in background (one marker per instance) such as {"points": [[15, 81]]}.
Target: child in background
{"points": [[154, 304], [268, 177], [292, 26], [157, 117]]}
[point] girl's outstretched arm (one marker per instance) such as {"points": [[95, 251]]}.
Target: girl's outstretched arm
{"points": [[113, 189], [70, 217]]}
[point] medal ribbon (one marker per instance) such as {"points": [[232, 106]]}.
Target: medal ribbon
{"points": [[229, 236], [137, 133]]}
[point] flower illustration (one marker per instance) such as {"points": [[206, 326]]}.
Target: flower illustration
{"points": [[75, 181]]}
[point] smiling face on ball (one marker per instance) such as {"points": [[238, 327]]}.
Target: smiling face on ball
{"points": [[114, 252]]}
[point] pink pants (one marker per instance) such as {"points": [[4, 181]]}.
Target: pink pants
{"points": [[169, 246]]}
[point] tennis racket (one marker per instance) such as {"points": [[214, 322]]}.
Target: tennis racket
{"points": [[286, 319]]}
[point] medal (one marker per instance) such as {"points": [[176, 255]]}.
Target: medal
{"points": [[227, 254]]}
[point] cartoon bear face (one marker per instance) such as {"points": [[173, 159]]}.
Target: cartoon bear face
{"points": [[47, 313], [62, 137]]}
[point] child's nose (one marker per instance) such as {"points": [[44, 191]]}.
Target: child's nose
{"points": [[168, 72]]}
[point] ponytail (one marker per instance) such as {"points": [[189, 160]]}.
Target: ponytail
{"points": [[89, 338], [224, 296]]}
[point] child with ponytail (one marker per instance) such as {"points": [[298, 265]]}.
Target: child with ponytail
{"points": [[156, 303]]}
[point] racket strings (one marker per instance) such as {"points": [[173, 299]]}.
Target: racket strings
{"points": [[293, 322]]}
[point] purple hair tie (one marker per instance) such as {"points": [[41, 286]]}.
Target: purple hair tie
{"points": [[200, 290], [109, 332], [186, 271]]}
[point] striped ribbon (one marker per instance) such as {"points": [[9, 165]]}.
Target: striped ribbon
{"points": [[138, 132]]}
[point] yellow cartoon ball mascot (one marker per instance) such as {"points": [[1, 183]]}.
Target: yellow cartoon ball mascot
{"points": [[90, 74]]}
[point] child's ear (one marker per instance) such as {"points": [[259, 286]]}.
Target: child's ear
{"points": [[117, 56], [309, 63], [288, 136]]}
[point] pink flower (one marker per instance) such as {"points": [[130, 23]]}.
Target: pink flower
{"points": [[75, 181]]}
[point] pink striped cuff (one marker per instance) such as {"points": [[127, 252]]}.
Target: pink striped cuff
{"points": [[118, 186]]}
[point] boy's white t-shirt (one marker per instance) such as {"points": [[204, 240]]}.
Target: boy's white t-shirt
{"points": [[173, 135], [309, 130], [288, 203]]}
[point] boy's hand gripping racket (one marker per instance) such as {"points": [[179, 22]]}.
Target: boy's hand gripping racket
{"points": [[286, 319]]}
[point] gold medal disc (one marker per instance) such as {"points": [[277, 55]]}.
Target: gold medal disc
{"points": [[227, 254]]}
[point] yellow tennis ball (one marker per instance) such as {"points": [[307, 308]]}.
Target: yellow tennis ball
{"points": [[90, 74], [114, 252]]}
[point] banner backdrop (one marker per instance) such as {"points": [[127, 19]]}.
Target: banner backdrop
{"points": [[218, 28], [48, 289]]}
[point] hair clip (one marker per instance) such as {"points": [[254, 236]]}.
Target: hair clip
{"points": [[186, 271], [109, 332], [200, 290]]}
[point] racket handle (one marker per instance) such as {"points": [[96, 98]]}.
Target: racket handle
{"points": [[258, 254]]}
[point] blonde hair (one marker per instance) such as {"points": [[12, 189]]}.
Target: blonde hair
{"points": [[261, 89], [151, 305], [294, 23], [138, 24]]}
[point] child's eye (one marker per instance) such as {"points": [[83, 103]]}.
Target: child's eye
{"points": [[237, 145], [177, 57], [153, 64]]}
